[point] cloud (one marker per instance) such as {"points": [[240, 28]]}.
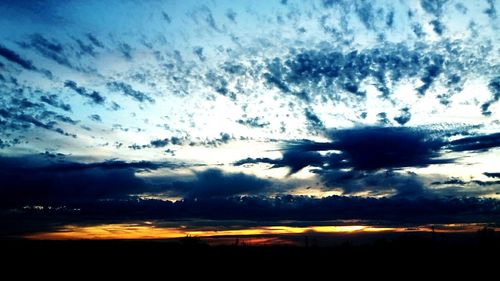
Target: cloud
{"points": [[159, 143], [37, 179], [494, 87], [313, 72], [434, 7], [295, 160], [50, 49], [59, 189], [363, 149], [372, 148], [92, 95], [94, 40], [15, 58], [16, 119], [231, 15], [492, 175], [215, 183], [166, 17], [42, 182], [95, 117], [364, 159], [253, 210], [255, 122], [198, 51], [55, 102], [476, 143], [404, 116], [126, 50], [313, 122], [127, 90], [379, 183]]}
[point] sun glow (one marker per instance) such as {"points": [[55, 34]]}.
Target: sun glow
{"points": [[150, 231]]}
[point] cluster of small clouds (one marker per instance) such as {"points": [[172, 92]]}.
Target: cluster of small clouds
{"points": [[310, 78]]}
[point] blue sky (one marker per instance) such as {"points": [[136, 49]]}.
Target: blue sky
{"points": [[171, 101]]}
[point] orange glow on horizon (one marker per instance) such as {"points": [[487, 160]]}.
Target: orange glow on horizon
{"points": [[149, 231]]}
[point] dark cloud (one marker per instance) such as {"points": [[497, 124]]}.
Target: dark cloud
{"points": [[307, 73], [219, 84], [475, 143], [494, 87], [372, 148], [198, 51], [127, 90], [222, 139], [454, 181], [430, 74], [365, 159], [434, 7], [404, 116], [329, 3], [44, 180], [15, 58], [390, 19], [106, 165], [382, 183], [93, 95], [59, 189], [295, 160], [67, 187], [204, 16], [255, 122], [95, 117], [94, 40], [50, 49], [231, 15], [215, 183], [126, 50], [313, 121], [491, 11], [366, 13], [63, 118], [382, 119], [492, 175], [437, 26], [159, 143], [86, 49], [55, 102], [166, 17], [19, 120], [399, 211]]}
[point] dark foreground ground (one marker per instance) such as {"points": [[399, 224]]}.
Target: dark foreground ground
{"points": [[409, 250]]}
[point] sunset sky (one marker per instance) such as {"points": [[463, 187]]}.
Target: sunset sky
{"points": [[159, 119]]}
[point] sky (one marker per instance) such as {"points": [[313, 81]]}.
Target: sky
{"points": [[165, 118]]}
